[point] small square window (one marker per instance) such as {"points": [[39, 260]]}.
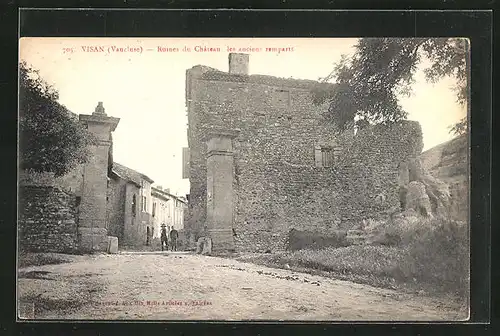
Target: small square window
{"points": [[324, 156]]}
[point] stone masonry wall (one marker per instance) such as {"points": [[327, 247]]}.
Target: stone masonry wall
{"points": [[47, 220], [277, 185], [368, 168], [70, 182]]}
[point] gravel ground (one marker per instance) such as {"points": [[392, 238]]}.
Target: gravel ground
{"points": [[180, 286]]}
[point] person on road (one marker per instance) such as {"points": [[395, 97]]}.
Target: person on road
{"points": [[173, 239], [163, 237]]}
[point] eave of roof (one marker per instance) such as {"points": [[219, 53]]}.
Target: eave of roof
{"points": [[156, 193], [129, 174], [163, 193], [125, 179]]}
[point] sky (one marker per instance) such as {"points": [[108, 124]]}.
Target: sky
{"points": [[142, 82]]}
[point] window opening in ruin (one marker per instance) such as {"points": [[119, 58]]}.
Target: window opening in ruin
{"points": [[286, 96], [402, 197], [144, 203], [326, 157], [134, 204], [154, 209]]}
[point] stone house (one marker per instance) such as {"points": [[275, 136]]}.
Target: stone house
{"points": [[263, 159], [167, 209], [129, 212]]}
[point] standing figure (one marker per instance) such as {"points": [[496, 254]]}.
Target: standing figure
{"points": [[163, 237], [173, 239]]}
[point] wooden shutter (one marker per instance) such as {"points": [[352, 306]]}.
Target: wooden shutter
{"points": [[318, 158]]}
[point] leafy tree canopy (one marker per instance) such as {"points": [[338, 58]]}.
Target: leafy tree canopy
{"points": [[51, 137], [382, 70]]}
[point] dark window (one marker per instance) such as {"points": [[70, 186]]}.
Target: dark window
{"points": [[326, 157], [134, 205], [154, 209]]}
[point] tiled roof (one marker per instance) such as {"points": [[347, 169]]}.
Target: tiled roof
{"points": [[130, 174]]}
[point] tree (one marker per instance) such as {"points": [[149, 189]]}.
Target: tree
{"points": [[51, 138], [382, 70]]}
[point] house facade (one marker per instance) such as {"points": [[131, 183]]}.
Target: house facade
{"points": [[129, 206], [167, 209]]}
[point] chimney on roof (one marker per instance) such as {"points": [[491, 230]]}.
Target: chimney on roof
{"points": [[99, 110], [167, 190], [238, 63], [159, 187]]}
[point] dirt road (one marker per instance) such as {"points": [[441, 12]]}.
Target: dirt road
{"points": [[191, 287]]}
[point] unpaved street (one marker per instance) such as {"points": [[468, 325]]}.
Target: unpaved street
{"points": [[185, 286]]}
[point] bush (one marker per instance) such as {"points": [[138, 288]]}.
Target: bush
{"points": [[51, 138], [441, 255], [402, 229]]}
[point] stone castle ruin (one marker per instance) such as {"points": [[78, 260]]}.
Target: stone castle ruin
{"points": [[264, 161]]}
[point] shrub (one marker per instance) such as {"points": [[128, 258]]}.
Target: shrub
{"points": [[402, 229], [441, 255], [51, 138]]}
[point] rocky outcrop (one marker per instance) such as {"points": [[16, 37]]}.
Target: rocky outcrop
{"points": [[448, 162], [432, 186], [421, 192], [417, 198]]}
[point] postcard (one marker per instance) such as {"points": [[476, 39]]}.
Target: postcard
{"points": [[243, 179]]}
